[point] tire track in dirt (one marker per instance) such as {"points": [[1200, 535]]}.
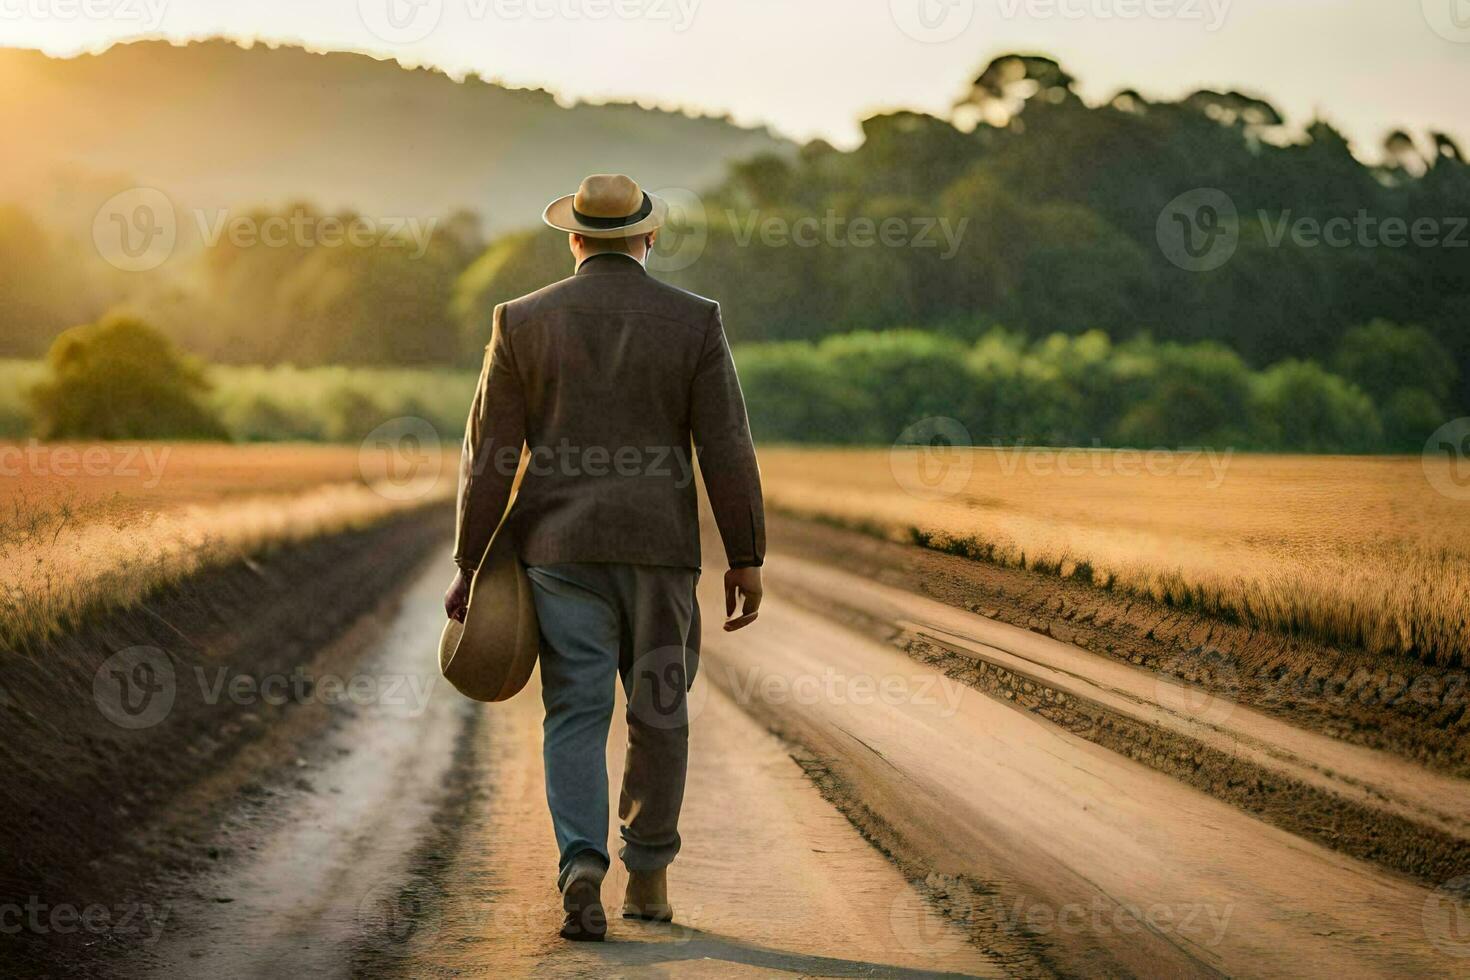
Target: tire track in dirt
{"points": [[320, 871]]}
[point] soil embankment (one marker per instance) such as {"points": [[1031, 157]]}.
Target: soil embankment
{"points": [[122, 738]]}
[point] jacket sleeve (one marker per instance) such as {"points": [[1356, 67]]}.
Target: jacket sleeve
{"points": [[722, 441], [493, 438]]}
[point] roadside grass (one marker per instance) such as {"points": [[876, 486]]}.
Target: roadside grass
{"points": [[1353, 551], [74, 543]]}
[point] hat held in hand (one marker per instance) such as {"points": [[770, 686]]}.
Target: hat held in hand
{"points": [[490, 656]]}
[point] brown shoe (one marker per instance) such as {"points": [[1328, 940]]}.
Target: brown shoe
{"points": [[647, 897], [585, 921]]}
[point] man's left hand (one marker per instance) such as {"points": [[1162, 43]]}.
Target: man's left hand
{"points": [[744, 585]]}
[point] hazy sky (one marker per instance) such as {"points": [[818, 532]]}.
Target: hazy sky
{"points": [[814, 67]]}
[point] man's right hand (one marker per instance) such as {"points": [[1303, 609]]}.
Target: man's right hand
{"points": [[746, 583], [457, 599]]}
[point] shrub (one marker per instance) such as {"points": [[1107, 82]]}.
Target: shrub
{"points": [[794, 395], [1406, 372], [1410, 416], [121, 379], [1014, 396], [1298, 406], [1382, 358], [261, 418], [910, 375], [1196, 395], [351, 414]]}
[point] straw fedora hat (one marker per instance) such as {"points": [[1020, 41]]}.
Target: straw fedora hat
{"points": [[490, 656], [607, 206]]}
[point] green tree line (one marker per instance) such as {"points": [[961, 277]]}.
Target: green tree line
{"points": [[121, 379], [1384, 393]]}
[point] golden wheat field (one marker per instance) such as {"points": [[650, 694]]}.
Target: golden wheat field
{"points": [[1361, 551], [87, 524]]}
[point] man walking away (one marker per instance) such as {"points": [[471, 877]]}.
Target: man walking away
{"points": [[606, 379]]}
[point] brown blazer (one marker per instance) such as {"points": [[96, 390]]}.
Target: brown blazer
{"points": [[607, 378]]}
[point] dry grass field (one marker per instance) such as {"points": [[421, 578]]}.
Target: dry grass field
{"points": [[89, 525], [1357, 551]]}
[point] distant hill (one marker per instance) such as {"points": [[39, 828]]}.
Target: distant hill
{"points": [[216, 124]]}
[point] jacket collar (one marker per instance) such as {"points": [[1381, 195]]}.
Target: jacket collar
{"points": [[616, 263]]}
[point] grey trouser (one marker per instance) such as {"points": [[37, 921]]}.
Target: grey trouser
{"points": [[639, 622]]}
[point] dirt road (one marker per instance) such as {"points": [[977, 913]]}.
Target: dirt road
{"points": [[414, 839], [420, 844]]}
